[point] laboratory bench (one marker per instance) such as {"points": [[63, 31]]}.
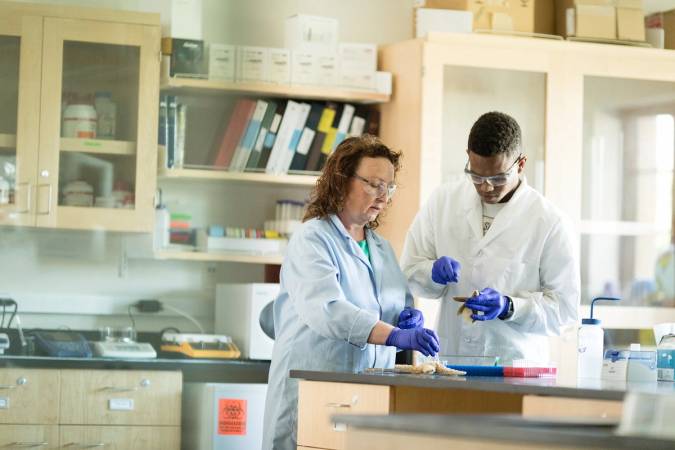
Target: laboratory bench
{"points": [[504, 432], [324, 394]]}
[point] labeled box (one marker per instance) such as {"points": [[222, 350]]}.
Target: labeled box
{"points": [[252, 64], [303, 68], [311, 33], [327, 68], [188, 57], [356, 58], [222, 62], [279, 66], [427, 20], [591, 21]]}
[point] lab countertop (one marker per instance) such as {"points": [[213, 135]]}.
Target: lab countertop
{"points": [[197, 370], [505, 429], [583, 388]]}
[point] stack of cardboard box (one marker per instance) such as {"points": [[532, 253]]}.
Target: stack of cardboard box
{"points": [[601, 19], [527, 16]]}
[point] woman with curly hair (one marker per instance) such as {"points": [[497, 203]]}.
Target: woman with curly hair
{"points": [[344, 304]]}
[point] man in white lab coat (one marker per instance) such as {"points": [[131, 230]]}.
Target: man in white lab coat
{"points": [[493, 233]]}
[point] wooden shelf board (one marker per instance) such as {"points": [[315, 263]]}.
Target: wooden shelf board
{"points": [[7, 140], [273, 90], [244, 177], [219, 257], [98, 146]]}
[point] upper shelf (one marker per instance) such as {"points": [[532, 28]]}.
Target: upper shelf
{"points": [[100, 146], [272, 90], [7, 140], [243, 177]]}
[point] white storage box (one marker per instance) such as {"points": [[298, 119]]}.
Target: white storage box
{"points": [[279, 66], [303, 68], [252, 64], [180, 18], [222, 62], [220, 416], [360, 80], [238, 308], [442, 20], [383, 82], [240, 245], [357, 58], [311, 33], [327, 68]]}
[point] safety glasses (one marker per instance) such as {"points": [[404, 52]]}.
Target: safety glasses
{"points": [[377, 189], [495, 180]]}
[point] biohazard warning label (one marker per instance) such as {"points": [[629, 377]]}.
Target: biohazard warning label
{"points": [[231, 416]]}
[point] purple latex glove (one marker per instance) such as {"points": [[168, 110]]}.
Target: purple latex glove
{"points": [[445, 270], [410, 318], [491, 303], [423, 340]]}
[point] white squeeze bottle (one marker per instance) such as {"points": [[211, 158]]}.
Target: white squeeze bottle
{"points": [[590, 340]]}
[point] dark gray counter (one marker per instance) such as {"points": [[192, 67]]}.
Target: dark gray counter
{"points": [[197, 370], [590, 389], [505, 429]]}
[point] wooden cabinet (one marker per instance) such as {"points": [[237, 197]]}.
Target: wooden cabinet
{"points": [[43, 437], [120, 397], [59, 65], [29, 396], [318, 401], [116, 409], [119, 438]]}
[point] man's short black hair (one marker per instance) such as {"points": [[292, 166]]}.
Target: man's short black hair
{"points": [[495, 133]]}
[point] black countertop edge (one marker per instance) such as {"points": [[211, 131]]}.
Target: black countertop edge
{"points": [[534, 386], [7, 361], [493, 427]]}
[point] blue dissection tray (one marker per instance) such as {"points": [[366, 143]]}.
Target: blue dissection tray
{"points": [[480, 371]]}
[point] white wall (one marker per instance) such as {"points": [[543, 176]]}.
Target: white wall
{"points": [[86, 279]]}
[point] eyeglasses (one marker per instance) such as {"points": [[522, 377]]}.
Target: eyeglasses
{"points": [[377, 189], [495, 180]]}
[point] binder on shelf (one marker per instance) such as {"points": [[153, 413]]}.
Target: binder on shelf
{"points": [[271, 137], [247, 140], [172, 107], [343, 125], [241, 115], [289, 152], [284, 136], [265, 127], [181, 127], [358, 125], [163, 113], [299, 161], [315, 160]]}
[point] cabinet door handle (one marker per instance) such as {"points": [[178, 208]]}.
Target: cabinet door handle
{"points": [[49, 201], [119, 389], [29, 189], [27, 444], [19, 382], [338, 405]]}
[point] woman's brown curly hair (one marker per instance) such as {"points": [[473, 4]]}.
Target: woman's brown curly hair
{"points": [[332, 186]]}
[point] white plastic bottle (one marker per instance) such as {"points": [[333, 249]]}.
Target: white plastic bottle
{"points": [[106, 111], [590, 341]]}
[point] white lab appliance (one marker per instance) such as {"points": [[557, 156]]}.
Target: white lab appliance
{"points": [[238, 309], [218, 416]]}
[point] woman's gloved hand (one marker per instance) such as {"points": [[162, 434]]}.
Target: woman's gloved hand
{"points": [[445, 270], [423, 340], [410, 318]]}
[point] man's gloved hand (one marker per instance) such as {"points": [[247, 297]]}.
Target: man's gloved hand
{"points": [[410, 318], [491, 303], [445, 270], [421, 339]]}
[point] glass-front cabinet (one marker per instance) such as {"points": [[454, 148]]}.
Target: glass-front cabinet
{"points": [[82, 154], [627, 233]]}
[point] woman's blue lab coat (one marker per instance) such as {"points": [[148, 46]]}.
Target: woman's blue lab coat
{"points": [[331, 297]]}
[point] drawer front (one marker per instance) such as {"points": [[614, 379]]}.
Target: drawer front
{"points": [[318, 401], [120, 397], [119, 438], [41, 437], [29, 396]]}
